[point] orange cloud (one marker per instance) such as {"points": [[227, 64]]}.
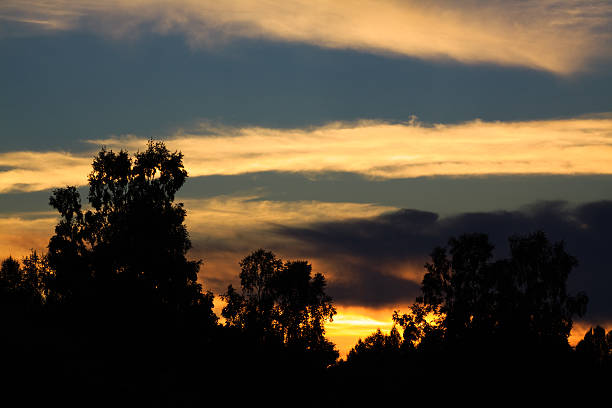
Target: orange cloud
{"points": [[19, 234], [33, 171], [372, 148], [561, 36], [395, 150], [225, 229]]}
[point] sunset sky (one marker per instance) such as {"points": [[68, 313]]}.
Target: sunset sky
{"points": [[356, 134]]}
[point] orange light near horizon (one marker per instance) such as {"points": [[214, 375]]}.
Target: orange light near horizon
{"points": [[355, 322]]}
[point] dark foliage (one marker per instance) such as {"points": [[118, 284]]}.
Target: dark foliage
{"points": [[132, 242], [282, 303], [595, 349], [485, 322], [522, 299]]}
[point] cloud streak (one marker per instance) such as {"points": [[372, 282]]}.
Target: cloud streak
{"points": [[399, 150], [34, 171], [560, 36], [371, 148]]}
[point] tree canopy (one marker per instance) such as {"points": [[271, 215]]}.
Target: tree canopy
{"points": [[131, 244], [521, 300], [281, 301]]}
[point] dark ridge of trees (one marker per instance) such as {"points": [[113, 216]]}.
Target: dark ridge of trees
{"points": [[520, 299], [488, 322], [113, 314]]}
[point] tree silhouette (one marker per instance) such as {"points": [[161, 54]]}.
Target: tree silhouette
{"points": [[24, 284], [596, 347], [121, 297], [10, 274], [132, 243], [282, 302], [376, 348], [521, 300]]}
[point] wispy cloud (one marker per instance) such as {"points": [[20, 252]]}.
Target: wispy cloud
{"points": [[21, 233], [560, 36], [388, 150], [372, 148], [33, 171]]}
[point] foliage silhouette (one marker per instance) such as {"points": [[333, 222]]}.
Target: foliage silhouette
{"points": [[122, 294], [24, 286], [376, 347], [283, 303], [132, 237], [482, 323], [519, 300], [596, 347]]}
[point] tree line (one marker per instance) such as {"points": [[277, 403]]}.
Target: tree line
{"points": [[114, 309]]}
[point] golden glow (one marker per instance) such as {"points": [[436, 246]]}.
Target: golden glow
{"points": [[32, 171], [387, 150], [225, 229], [373, 148], [19, 235], [560, 36], [580, 327], [353, 323], [350, 324]]}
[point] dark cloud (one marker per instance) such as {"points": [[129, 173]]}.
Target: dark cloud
{"points": [[441, 194], [369, 285], [377, 246]]}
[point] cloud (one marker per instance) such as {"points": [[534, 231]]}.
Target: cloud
{"points": [[371, 148], [381, 246], [34, 171], [21, 233], [225, 229], [561, 36], [398, 150]]}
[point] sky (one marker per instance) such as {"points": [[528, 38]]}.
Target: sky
{"points": [[356, 135]]}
